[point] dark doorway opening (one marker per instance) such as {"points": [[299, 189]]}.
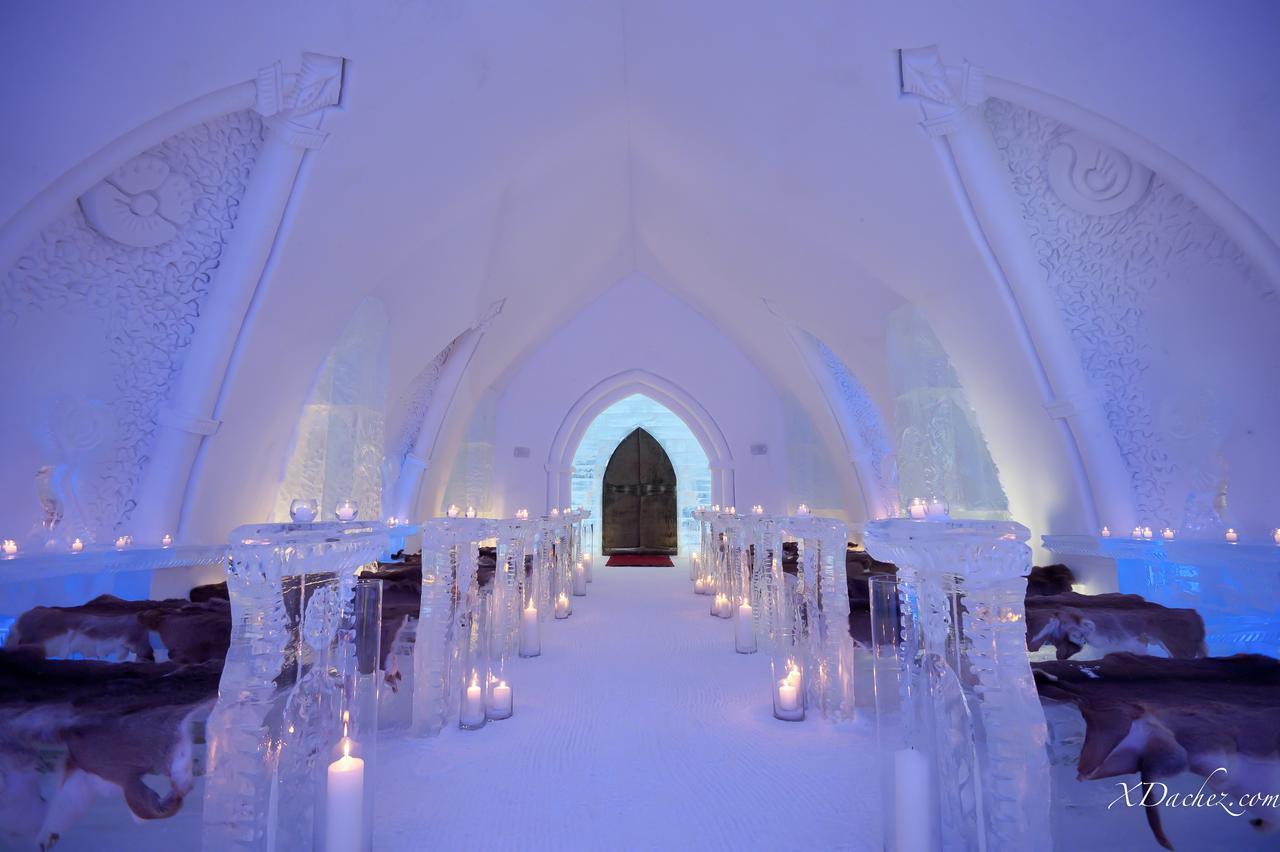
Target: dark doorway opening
{"points": [[638, 506]]}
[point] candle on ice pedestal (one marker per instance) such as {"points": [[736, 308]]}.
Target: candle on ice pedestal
{"points": [[912, 802], [1167, 534], [579, 580], [166, 541], [803, 510], [1232, 536], [1106, 532], [744, 636], [10, 547], [530, 640], [562, 606], [471, 511], [473, 704], [77, 546], [917, 509], [453, 511], [344, 803], [1275, 535]]}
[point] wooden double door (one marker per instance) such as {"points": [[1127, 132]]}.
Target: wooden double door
{"points": [[638, 507]]}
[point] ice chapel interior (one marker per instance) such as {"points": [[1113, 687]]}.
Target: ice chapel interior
{"points": [[639, 424]]}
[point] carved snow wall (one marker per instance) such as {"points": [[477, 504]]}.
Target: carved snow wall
{"points": [[1173, 324], [941, 450], [338, 445], [471, 478], [96, 316]]}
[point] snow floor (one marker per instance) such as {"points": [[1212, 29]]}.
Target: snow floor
{"points": [[637, 728]]}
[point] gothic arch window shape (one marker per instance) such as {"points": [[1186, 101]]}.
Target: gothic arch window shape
{"points": [[338, 444]]}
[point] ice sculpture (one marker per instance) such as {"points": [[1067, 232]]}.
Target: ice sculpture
{"points": [[446, 618], [298, 644], [811, 612], [967, 684]]}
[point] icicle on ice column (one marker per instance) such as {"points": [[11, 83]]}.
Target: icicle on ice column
{"points": [[961, 588], [292, 601]]}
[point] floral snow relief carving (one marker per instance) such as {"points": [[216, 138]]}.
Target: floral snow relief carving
{"points": [[135, 258], [1109, 250], [141, 205]]}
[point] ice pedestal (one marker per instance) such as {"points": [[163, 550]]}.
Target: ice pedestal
{"points": [[297, 664], [965, 690], [1234, 587]]}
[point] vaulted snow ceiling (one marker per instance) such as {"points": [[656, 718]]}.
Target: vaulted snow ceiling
{"points": [[1041, 279]]}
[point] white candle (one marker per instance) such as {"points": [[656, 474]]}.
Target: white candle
{"points": [[166, 541], [562, 606], [471, 511], [917, 509], [788, 695], [501, 699], [10, 547], [586, 562], [473, 704], [1167, 534], [716, 508], [1106, 532], [803, 510], [1137, 532], [1232, 536], [1146, 533], [346, 510], [77, 546], [745, 637], [579, 580], [344, 803], [530, 641], [1275, 535], [452, 511], [912, 802], [121, 542], [555, 513], [698, 586]]}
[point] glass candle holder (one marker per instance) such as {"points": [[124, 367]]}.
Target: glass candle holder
{"points": [[474, 699], [346, 510], [564, 606], [303, 511], [580, 579], [744, 635], [788, 688]]}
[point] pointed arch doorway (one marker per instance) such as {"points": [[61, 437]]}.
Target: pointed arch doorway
{"points": [[638, 502]]}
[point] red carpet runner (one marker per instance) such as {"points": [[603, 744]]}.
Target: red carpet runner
{"points": [[618, 560]]}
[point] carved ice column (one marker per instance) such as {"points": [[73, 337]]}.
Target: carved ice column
{"points": [[951, 98], [450, 549], [293, 106], [965, 583], [278, 709], [826, 595]]}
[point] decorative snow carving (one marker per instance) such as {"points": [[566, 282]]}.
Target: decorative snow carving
{"points": [[861, 410], [293, 104], [1105, 271], [924, 74], [1094, 178], [146, 298], [141, 205]]}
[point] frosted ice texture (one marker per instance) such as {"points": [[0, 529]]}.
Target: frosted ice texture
{"points": [[693, 471], [941, 449], [338, 446]]}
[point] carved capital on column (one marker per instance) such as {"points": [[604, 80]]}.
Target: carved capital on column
{"points": [[293, 105], [945, 91]]}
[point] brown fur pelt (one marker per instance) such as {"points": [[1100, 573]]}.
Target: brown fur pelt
{"points": [[1050, 580]]}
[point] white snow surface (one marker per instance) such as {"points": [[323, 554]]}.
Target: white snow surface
{"points": [[637, 728]]}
